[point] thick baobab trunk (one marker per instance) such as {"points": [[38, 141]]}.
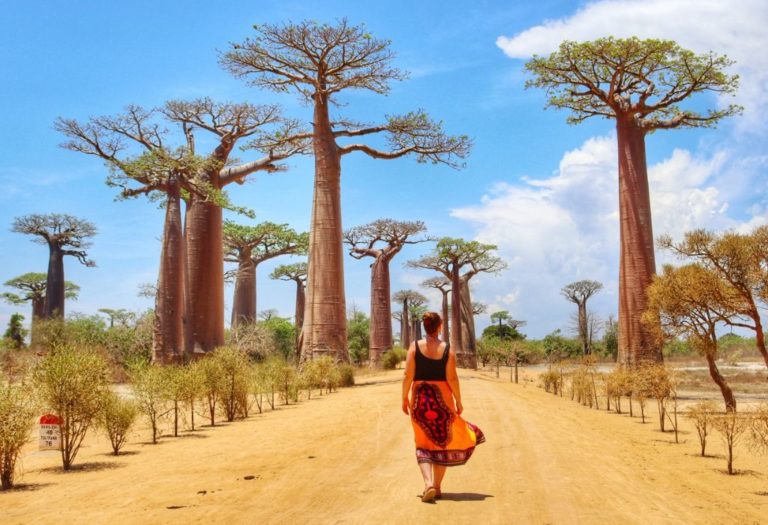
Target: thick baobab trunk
{"points": [[405, 324], [299, 314], [244, 301], [583, 329], [725, 389], [325, 323], [168, 340], [38, 308], [381, 310], [206, 277], [54, 288], [446, 329], [637, 261], [463, 360], [469, 341]]}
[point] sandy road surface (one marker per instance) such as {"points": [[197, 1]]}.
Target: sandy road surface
{"points": [[348, 458]]}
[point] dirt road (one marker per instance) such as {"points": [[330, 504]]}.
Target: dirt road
{"points": [[348, 458]]}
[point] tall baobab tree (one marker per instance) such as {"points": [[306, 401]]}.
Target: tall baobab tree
{"points": [[416, 309], [449, 257], [249, 246], [740, 260], [381, 240], [319, 62], [65, 235], [297, 273], [121, 316], [579, 292], [31, 289], [444, 285], [407, 298], [640, 84], [135, 146]]}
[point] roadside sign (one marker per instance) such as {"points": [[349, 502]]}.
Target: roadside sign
{"points": [[50, 432]]}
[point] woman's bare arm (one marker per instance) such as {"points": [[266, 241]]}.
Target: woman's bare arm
{"points": [[453, 381], [410, 372]]}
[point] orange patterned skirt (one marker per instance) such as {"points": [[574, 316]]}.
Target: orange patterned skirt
{"points": [[442, 436]]}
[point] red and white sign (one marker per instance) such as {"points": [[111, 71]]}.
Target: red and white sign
{"points": [[50, 432]]}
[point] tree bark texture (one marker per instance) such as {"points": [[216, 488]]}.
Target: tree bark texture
{"points": [[54, 288], [405, 323], [468, 338], [205, 256], [637, 261], [725, 389], [462, 359], [446, 329], [325, 323], [168, 340], [244, 300], [381, 310], [583, 329], [299, 313]]}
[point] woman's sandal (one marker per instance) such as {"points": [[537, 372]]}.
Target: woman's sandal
{"points": [[429, 494], [438, 494]]}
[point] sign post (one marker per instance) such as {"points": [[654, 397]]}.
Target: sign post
{"points": [[50, 432]]}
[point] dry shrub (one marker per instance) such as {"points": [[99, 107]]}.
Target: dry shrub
{"points": [[310, 377], [551, 381], [211, 384], [191, 388], [234, 368], [116, 418], [618, 383], [256, 340], [17, 413], [758, 430], [583, 383], [346, 374], [72, 383], [148, 383], [658, 385], [173, 379], [392, 358], [732, 428], [702, 415]]}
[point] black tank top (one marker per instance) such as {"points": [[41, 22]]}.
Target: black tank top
{"points": [[428, 369]]}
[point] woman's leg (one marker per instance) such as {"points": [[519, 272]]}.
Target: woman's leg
{"points": [[426, 473], [438, 471]]}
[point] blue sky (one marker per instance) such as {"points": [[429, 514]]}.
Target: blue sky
{"points": [[542, 190]]}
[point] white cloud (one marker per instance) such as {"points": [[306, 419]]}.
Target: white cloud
{"points": [[734, 27], [563, 228]]}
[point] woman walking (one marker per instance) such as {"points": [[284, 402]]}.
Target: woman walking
{"points": [[443, 438]]}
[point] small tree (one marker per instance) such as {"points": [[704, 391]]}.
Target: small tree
{"points": [[192, 387], [65, 235], [17, 412], [234, 368], [15, 332], [732, 428], [173, 378], [72, 383], [150, 392], [702, 415], [116, 418], [212, 380]]}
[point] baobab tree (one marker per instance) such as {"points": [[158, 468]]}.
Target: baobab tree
{"points": [[640, 84], [121, 316], [416, 309], [381, 240], [449, 257], [135, 146], [444, 285], [579, 293], [65, 235], [297, 273], [319, 62], [407, 298], [248, 247], [740, 260], [504, 326], [31, 289]]}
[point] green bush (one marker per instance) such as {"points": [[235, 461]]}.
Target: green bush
{"points": [[234, 367], [116, 418], [149, 391], [72, 383], [346, 375], [391, 359], [17, 412]]}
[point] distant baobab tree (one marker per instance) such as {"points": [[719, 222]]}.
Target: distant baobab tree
{"points": [[381, 240], [297, 273], [135, 146], [248, 247], [31, 289], [444, 286], [65, 235], [579, 293], [640, 84], [407, 298], [319, 62], [449, 258]]}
